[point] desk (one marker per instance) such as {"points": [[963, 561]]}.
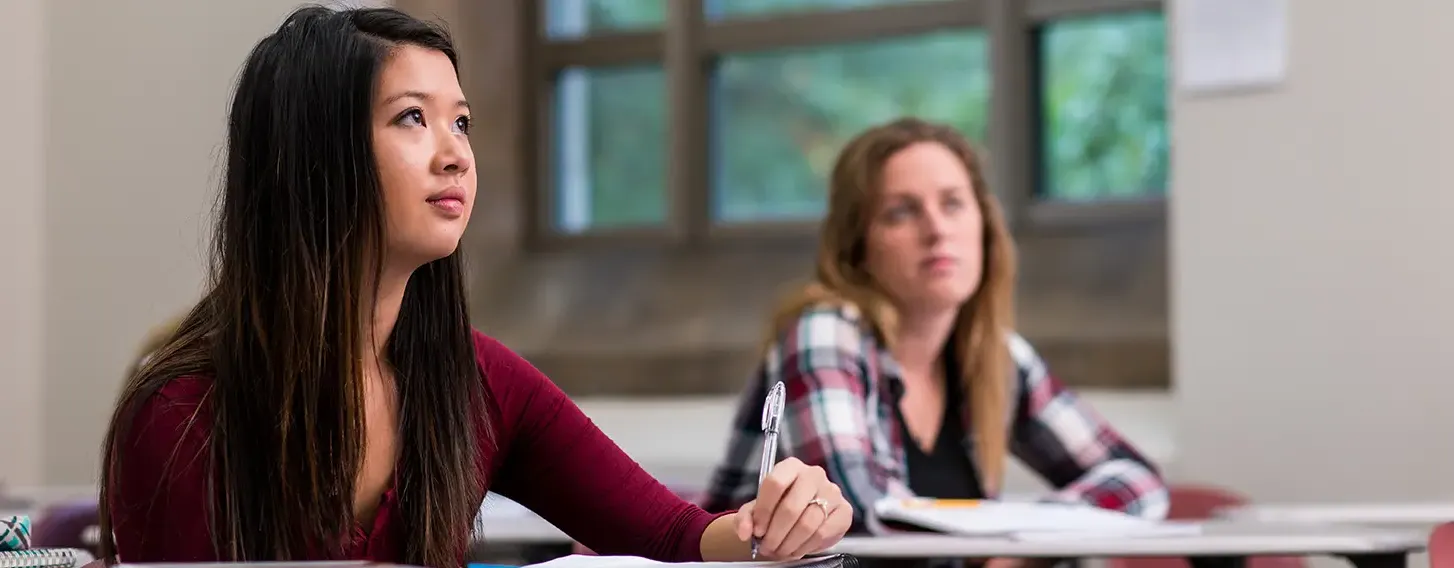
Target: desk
{"points": [[502, 522], [1222, 541], [506, 522], [1392, 514]]}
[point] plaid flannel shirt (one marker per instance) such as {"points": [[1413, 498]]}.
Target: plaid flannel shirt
{"points": [[842, 387]]}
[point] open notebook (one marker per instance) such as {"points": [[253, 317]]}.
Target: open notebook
{"points": [[1023, 520], [586, 561], [44, 558]]}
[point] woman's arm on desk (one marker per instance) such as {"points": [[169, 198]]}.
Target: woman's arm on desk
{"points": [[556, 462], [1071, 446]]}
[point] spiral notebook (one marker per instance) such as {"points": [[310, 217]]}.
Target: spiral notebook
{"points": [[44, 558]]}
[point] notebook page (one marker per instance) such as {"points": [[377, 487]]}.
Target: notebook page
{"points": [[993, 518]]}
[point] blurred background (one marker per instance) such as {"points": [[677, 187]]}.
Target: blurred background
{"points": [[1248, 284]]}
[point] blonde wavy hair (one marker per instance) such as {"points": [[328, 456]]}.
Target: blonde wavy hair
{"points": [[979, 339]]}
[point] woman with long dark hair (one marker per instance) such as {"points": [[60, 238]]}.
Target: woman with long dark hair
{"points": [[327, 398]]}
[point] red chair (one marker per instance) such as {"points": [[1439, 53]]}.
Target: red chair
{"points": [[1441, 546], [1195, 503]]}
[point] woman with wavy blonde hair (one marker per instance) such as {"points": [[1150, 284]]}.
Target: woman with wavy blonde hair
{"points": [[904, 374]]}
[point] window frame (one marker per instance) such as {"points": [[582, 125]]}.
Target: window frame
{"points": [[688, 48]]}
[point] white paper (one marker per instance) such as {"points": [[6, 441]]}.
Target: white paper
{"points": [[992, 518], [1222, 45]]}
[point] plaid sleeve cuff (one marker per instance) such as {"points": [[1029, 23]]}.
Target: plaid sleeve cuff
{"points": [[1123, 485]]}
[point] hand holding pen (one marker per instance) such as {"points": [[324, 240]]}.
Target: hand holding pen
{"points": [[798, 511]]}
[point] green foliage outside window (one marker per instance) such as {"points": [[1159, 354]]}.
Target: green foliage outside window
{"points": [[780, 117]]}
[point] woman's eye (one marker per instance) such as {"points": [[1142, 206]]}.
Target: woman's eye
{"points": [[462, 124], [412, 117]]}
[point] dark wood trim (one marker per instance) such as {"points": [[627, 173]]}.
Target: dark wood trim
{"points": [[688, 186], [603, 50], [650, 237], [1011, 155], [1044, 215], [763, 230], [1041, 11], [535, 129], [1035, 125], [839, 27]]}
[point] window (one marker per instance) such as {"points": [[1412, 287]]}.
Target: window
{"points": [[782, 117], [693, 120], [725, 9], [609, 138], [572, 19], [1103, 107]]}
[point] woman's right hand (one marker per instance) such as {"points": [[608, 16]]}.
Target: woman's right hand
{"points": [[798, 511]]}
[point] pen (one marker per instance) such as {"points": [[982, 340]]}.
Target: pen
{"points": [[772, 414]]}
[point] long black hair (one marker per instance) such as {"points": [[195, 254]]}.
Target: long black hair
{"points": [[281, 331]]}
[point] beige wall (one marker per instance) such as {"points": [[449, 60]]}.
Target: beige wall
{"points": [[22, 266], [135, 97], [1313, 309]]}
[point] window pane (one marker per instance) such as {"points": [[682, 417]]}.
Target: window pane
{"points": [[565, 19], [609, 133], [1103, 103], [782, 117], [723, 9]]}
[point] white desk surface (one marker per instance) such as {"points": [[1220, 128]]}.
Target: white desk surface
{"points": [[506, 522], [1217, 539], [1413, 514], [503, 521]]}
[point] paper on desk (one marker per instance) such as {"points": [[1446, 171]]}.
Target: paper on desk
{"points": [[584, 561], [1000, 518]]}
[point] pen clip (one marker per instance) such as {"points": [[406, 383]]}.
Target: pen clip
{"points": [[772, 409]]}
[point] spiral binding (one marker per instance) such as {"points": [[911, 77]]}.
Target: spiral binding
{"points": [[40, 558]]}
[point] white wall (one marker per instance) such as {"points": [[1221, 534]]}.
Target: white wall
{"points": [[1313, 274], [22, 266], [115, 125]]}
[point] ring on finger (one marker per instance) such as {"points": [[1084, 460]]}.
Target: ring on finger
{"points": [[821, 503]]}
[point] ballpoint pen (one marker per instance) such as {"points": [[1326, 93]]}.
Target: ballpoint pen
{"points": [[772, 414]]}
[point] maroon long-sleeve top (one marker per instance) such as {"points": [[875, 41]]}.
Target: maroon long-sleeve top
{"points": [[547, 456]]}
